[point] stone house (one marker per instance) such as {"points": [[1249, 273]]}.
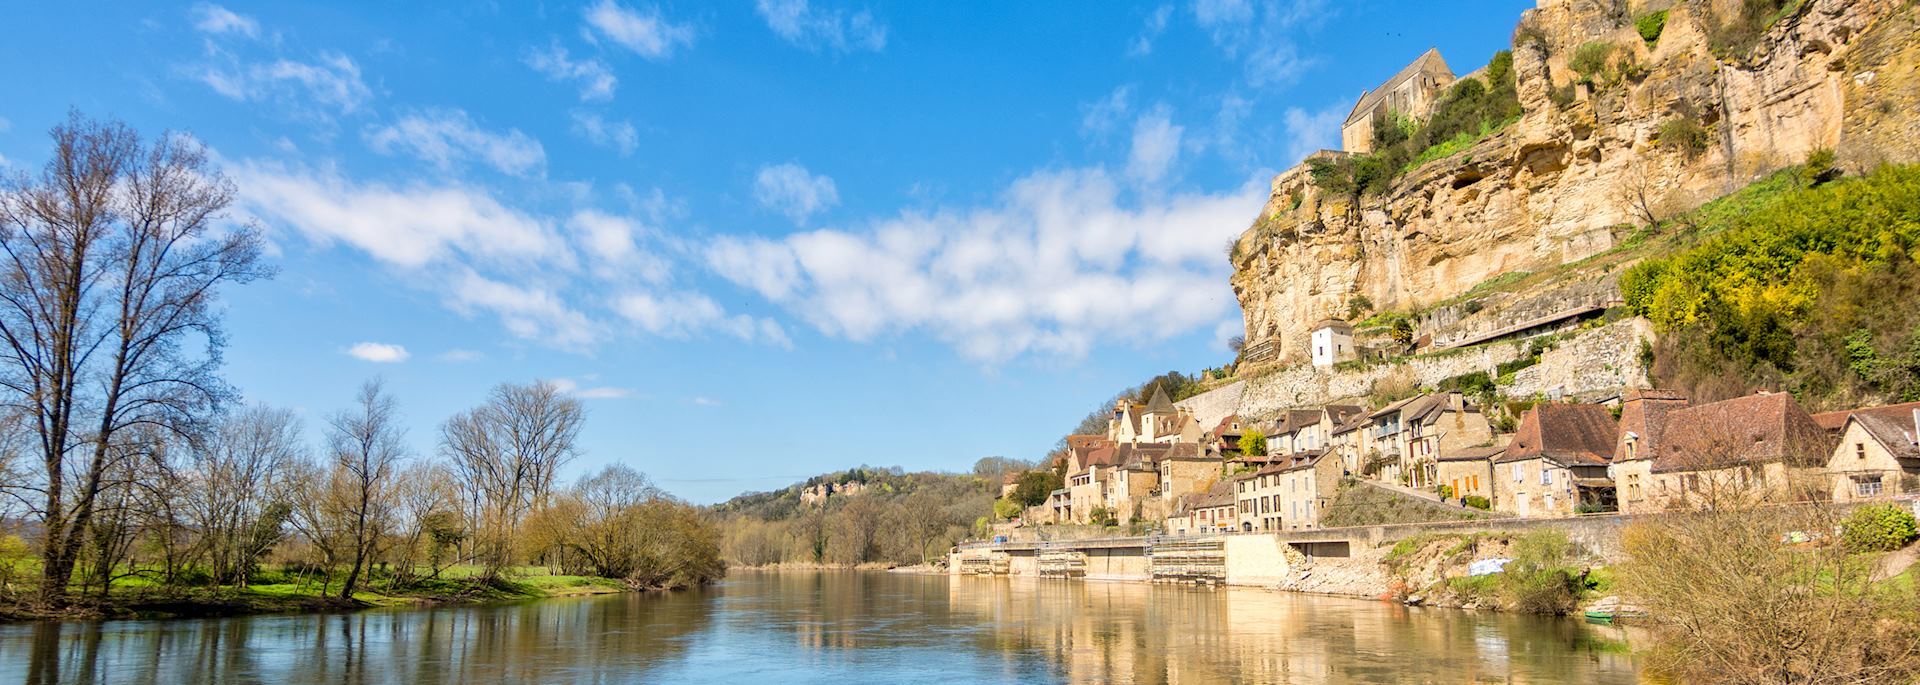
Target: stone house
{"points": [[1212, 511], [1556, 462], [1186, 469], [1307, 482], [1259, 496], [1349, 442], [1224, 439], [1294, 430], [1332, 342], [1079, 446], [1643, 417], [1408, 437], [1156, 421], [1761, 447], [1412, 93], [1468, 471], [1246, 505], [1878, 454]]}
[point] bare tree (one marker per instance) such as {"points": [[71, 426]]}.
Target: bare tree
{"points": [[505, 454], [367, 445], [430, 524], [237, 494], [110, 263]]}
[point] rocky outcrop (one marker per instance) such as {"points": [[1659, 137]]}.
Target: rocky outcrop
{"points": [[1584, 164]]}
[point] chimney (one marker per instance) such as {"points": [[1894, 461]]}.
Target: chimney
{"points": [[1916, 426]]}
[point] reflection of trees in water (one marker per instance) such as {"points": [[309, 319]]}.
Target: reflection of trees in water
{"points": [[1011, 630], [1107, 632], [543, 641]]}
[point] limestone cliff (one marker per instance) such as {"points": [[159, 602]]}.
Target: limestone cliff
{"points": [[1583, 164]]}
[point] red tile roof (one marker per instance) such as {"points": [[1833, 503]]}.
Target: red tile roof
{"points": [[1895, 426], [1568, 434], [1644, 413], [1745, 430]]}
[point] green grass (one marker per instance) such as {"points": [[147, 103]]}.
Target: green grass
{"points": [[1458, 142], [276, 590]]}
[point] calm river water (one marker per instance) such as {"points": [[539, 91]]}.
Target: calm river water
{"points": [[840, 628]]}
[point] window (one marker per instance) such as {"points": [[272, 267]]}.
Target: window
{"points": [[1546, 477], [1859, 450], [1519, 474], [1866, 488]]}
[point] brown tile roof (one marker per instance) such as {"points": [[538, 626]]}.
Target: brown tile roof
{"points": [[1081, 442], [1832, 421], [1428, 61], [1895, 426], [1568, 434], [1744, 430], [1342, 413], [1294, 419], [1159, 404], [1304, 460], [1644, 413], [1472, 454]]}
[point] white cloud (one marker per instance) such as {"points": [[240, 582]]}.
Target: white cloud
{"points": [[570, 282], [644, 31], [792, 190], [801, 24], [1100, 118], [1310, 132], [1058, 264], [1156, 24], [379, 353], [330, 79], [681, 314], [216, 20], [531, 311], [596, 82], [1156, 144], [459, 356], [704, 402], [5, 125], [407, 227], [613, 243], [603, 392], [618, 135], [449, 137], [1260, 34]]}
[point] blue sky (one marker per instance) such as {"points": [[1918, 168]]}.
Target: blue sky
{"points": [[760, 240]]}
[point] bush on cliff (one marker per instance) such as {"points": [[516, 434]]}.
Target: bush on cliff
{"points": [[1808, 287]]}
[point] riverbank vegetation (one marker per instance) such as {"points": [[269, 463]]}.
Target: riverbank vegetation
{"points": [[130, 474], [1772, 595], [891, 518], [1544, 574]]}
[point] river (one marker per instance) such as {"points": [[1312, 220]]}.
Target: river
{"points": [[842, 627]]}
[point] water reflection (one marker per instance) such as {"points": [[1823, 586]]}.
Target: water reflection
{"points": [[841, 628]]}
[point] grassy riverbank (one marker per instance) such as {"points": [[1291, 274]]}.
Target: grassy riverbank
{"points": [[289, 591]]}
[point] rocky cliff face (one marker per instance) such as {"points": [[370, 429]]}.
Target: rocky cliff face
{"points": [[1583, 164]]}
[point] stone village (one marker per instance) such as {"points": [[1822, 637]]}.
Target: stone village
{"points": [[1318, 409]]}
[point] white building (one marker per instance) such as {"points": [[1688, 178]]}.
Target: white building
{"points": [[1332, 342]]}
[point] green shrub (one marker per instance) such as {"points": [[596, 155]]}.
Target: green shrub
{"points": [[1683, 133], [1006, 508], [1537, 580], [1590, 59], [1478, 502], [1878, 528], [1446, 491], [1650, 25]]}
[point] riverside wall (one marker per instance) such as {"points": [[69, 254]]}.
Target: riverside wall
{"points": [[1262, 559], [1593, 362]]}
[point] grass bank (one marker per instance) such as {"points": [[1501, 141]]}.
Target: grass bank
{"points": [[280, 591]]}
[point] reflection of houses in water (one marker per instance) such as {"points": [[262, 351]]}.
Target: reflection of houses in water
{"points": [[1097, 632]]}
